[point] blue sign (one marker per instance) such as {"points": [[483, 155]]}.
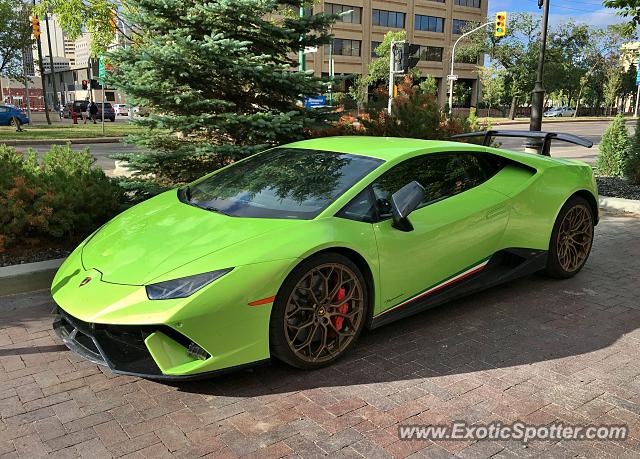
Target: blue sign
{"points": [[638, 72], [315, 101]]}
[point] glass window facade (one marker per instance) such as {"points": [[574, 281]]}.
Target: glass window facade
{"points": [[386, 18], [429, 23]]}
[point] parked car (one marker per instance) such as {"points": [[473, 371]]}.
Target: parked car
{"points": [[121, 109], [292, 252], [8, 111], [109, 112], [559, 112]]}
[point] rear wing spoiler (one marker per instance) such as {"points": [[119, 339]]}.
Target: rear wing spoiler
{"points": [[546, 137]]}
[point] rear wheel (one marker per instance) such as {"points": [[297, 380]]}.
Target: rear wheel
{"points": [[319, 312], [571, 239]]}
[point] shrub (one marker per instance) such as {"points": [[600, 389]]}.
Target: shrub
{"points": [[614, 148], [632, 164], [61, 199], [415, 114]]}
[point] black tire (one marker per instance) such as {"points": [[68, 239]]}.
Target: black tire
{"points": [[567, 256], [281, 343], [12, 122]]}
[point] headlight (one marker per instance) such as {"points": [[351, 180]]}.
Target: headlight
{"points": [[183, 287]]}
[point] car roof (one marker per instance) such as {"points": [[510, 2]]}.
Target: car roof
{"points": [[386, 148]]}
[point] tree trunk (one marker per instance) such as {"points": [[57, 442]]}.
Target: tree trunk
{"points": [[512, 109]]}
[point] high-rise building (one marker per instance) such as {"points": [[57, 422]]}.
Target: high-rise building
{"points": [[433, 24], [61, 46]]}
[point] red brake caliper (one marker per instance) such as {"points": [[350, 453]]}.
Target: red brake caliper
{"points": [[338, 321]]}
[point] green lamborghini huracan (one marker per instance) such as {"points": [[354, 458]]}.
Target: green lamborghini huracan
{"points": [[290, 253]]}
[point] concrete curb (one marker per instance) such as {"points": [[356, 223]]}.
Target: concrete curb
{"points": [[620, 204], [79, 141], [28, 277]]}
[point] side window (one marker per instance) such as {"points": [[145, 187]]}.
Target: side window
{"points": [[361, 208], [4, 109], [441, 175]]}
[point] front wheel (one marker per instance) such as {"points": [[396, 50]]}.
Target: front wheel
{"points": [[319, 311], [571, 239]]}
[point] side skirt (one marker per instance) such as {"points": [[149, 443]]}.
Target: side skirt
{"points": [[503, 266]]}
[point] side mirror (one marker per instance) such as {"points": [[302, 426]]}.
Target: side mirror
{"points": [[403, 202]]}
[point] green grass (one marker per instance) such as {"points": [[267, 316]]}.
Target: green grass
{"points": [[68, 131]]}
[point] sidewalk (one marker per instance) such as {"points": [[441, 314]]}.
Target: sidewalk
{"points": [[537, 350]]}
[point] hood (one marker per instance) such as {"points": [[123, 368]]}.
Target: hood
{"points": [[162, 234]]}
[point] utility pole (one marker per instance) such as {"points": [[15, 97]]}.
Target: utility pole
{"points": [[53, 72], [41, 67], [537, 96]]}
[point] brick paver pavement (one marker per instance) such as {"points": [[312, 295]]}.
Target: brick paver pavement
{"points": [[536, 350]]}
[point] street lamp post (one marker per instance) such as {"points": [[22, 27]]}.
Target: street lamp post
{"points": [[453, 54], [537, 96]]}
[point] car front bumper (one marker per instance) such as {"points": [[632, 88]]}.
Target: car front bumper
{"points": [[214, 330], [126, 349]]}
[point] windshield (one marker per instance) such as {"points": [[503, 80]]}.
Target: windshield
{"points": [[286, 183]]}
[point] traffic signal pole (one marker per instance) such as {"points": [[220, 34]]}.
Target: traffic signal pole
{"points": [[41, 67], [453, 55]]}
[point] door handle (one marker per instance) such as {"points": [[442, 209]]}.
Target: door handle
{"points": [[496, 212]]}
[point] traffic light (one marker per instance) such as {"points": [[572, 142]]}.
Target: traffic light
{"points": [[409, 56], [85, 84], [35, 26], [501, 24]]}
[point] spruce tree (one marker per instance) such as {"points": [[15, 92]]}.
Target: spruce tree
{"points": [[220, 80]]}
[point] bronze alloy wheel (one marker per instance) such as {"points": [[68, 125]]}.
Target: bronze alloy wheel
{"points": [[324, 312], [575, 237]]}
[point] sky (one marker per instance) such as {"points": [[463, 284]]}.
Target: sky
{"points": [[588, 11]]}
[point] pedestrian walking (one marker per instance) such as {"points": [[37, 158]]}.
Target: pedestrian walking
{"points": [[17, 123], [93, 111]]}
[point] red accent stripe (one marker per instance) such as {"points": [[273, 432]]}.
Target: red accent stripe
{"points": [[271, 299], [435, 289]]}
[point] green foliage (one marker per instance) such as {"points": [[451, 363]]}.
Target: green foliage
{"points": [[614, 148], [612, 85], [414, 114], [61, 198], [632, 164], [15, 36], [429, 85], [629, 9], [94, 17], [378, 69], [217, 78], [493, 85]]}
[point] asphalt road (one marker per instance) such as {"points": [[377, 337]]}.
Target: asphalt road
{"points": [[100, 151], [592, 130]]}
